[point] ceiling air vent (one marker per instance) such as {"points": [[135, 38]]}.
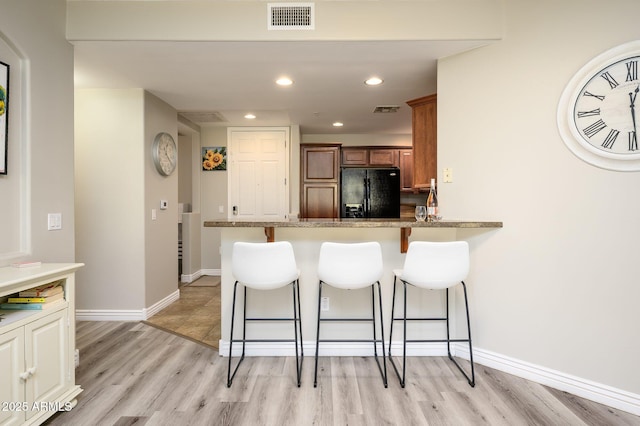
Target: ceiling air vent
{"points": [[291, 16], [204, 117], [386, 108]]}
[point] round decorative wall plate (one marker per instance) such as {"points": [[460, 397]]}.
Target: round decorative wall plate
{"points": [[599, 110]]}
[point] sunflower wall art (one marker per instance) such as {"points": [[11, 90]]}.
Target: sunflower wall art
{"points": [[214, 158]]}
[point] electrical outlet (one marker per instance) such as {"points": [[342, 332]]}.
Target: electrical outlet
{"points": [[324, 304], [77, 357]]}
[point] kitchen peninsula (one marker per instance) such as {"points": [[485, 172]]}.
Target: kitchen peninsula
{"points": [[404, 224], [306, 236]]}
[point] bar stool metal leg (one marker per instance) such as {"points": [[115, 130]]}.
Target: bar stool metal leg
{"points": [[233, 314], [375, 343], [297, 325], [315, 372]]}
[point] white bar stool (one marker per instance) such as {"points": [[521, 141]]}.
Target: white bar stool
{"points": [[265, 266], [351, 267], [433, 266]]}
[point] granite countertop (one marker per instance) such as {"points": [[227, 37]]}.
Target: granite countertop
{"points": [[353, 223]]}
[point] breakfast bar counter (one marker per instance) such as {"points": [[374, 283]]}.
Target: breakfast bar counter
{"points": [[306, 237], [404, 224]]}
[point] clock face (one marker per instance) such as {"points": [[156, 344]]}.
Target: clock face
{"points": [[165, 154], [599, 112]]}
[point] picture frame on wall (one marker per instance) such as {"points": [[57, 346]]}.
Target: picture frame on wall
{"points": [[214, 158], [4, 116]]}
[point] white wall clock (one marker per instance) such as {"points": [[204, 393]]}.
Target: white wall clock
{"points": [[599, 110], [165, 153]]}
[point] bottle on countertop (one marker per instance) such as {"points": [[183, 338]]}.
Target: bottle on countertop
{"points": [[432, 203]]}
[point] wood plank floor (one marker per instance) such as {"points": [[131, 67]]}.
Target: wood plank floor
{"points": [[134, 373]]}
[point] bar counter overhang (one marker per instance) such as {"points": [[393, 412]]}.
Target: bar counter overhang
{"points": [[306, 236], [405, 225]]}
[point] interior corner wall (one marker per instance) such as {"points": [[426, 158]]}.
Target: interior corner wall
{"points": [[557, 287], [214, 195], [161, 233], [40, 150], [110, 190]]}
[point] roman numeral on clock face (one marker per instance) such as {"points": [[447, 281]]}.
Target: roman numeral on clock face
{"points": [[594, 128], [632, 70], [633, 141], [598, 97], [589, 113], [610, 139], [612, 81]]}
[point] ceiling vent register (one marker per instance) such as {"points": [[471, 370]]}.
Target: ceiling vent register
{"points": [[385, 109], [291, 16]]}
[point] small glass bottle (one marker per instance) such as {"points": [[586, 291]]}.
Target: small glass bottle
{"points": [[432, 203]]}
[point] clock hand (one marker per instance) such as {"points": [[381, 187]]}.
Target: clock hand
{"points": [[632, 98]]}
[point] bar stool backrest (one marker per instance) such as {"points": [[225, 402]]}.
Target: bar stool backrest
{"points": [[436, 265], [264, 266], [350, 265]]}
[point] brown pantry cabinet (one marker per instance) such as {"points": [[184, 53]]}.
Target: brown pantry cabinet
{"points": [[425, 131], [320, 180]]}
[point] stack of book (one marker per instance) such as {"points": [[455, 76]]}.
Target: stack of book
{"points": [[37, 298]]}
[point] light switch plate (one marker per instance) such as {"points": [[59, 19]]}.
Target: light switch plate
{"points": [[54, 221], [447, 175]]}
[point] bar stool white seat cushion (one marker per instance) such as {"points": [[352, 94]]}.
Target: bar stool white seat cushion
{"points": [[435, 265], [264, 266], [350, 266]]}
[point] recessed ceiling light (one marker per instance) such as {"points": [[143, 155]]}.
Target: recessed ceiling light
{"points": [[250, 116], [338, 124], [373, 81], [284, 81]]}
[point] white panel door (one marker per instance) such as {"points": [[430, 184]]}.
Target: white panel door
{"points": [[258, 169]]}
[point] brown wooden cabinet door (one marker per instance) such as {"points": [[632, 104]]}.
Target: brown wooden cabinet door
{"points": [[320, 178], [383, 157], [406, 170], [355, 157], [321, 200], [425, 142]]}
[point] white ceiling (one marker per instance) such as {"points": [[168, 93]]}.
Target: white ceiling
{"points": [[234, 78]]}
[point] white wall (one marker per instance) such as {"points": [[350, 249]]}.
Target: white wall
{"points": [[213, 195], [110, 193], [558, 285], [40, 152], [131, 260]]}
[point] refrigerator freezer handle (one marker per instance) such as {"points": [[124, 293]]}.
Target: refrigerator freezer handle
{"points": [[367, 196]]}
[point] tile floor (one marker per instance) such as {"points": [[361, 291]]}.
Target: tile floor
{"points": [[196, 315]]}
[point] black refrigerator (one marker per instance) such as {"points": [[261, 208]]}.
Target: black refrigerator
{"points": [[370, 192]]}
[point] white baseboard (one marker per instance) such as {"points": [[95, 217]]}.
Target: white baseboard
{"points": [[597, 392], [189, 278], [126, 315]]}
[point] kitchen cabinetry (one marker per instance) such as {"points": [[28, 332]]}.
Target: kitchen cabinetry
{"points": [[369, 156], [405, 163], [425, 131], [320, 180], [37, 348]]}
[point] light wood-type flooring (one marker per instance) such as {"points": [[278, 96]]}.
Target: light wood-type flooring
{"points": [[133, 373]]}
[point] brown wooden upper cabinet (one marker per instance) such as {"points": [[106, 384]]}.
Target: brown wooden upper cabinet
{"points": [[425, 131], [320, 180], [372, 156]]}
